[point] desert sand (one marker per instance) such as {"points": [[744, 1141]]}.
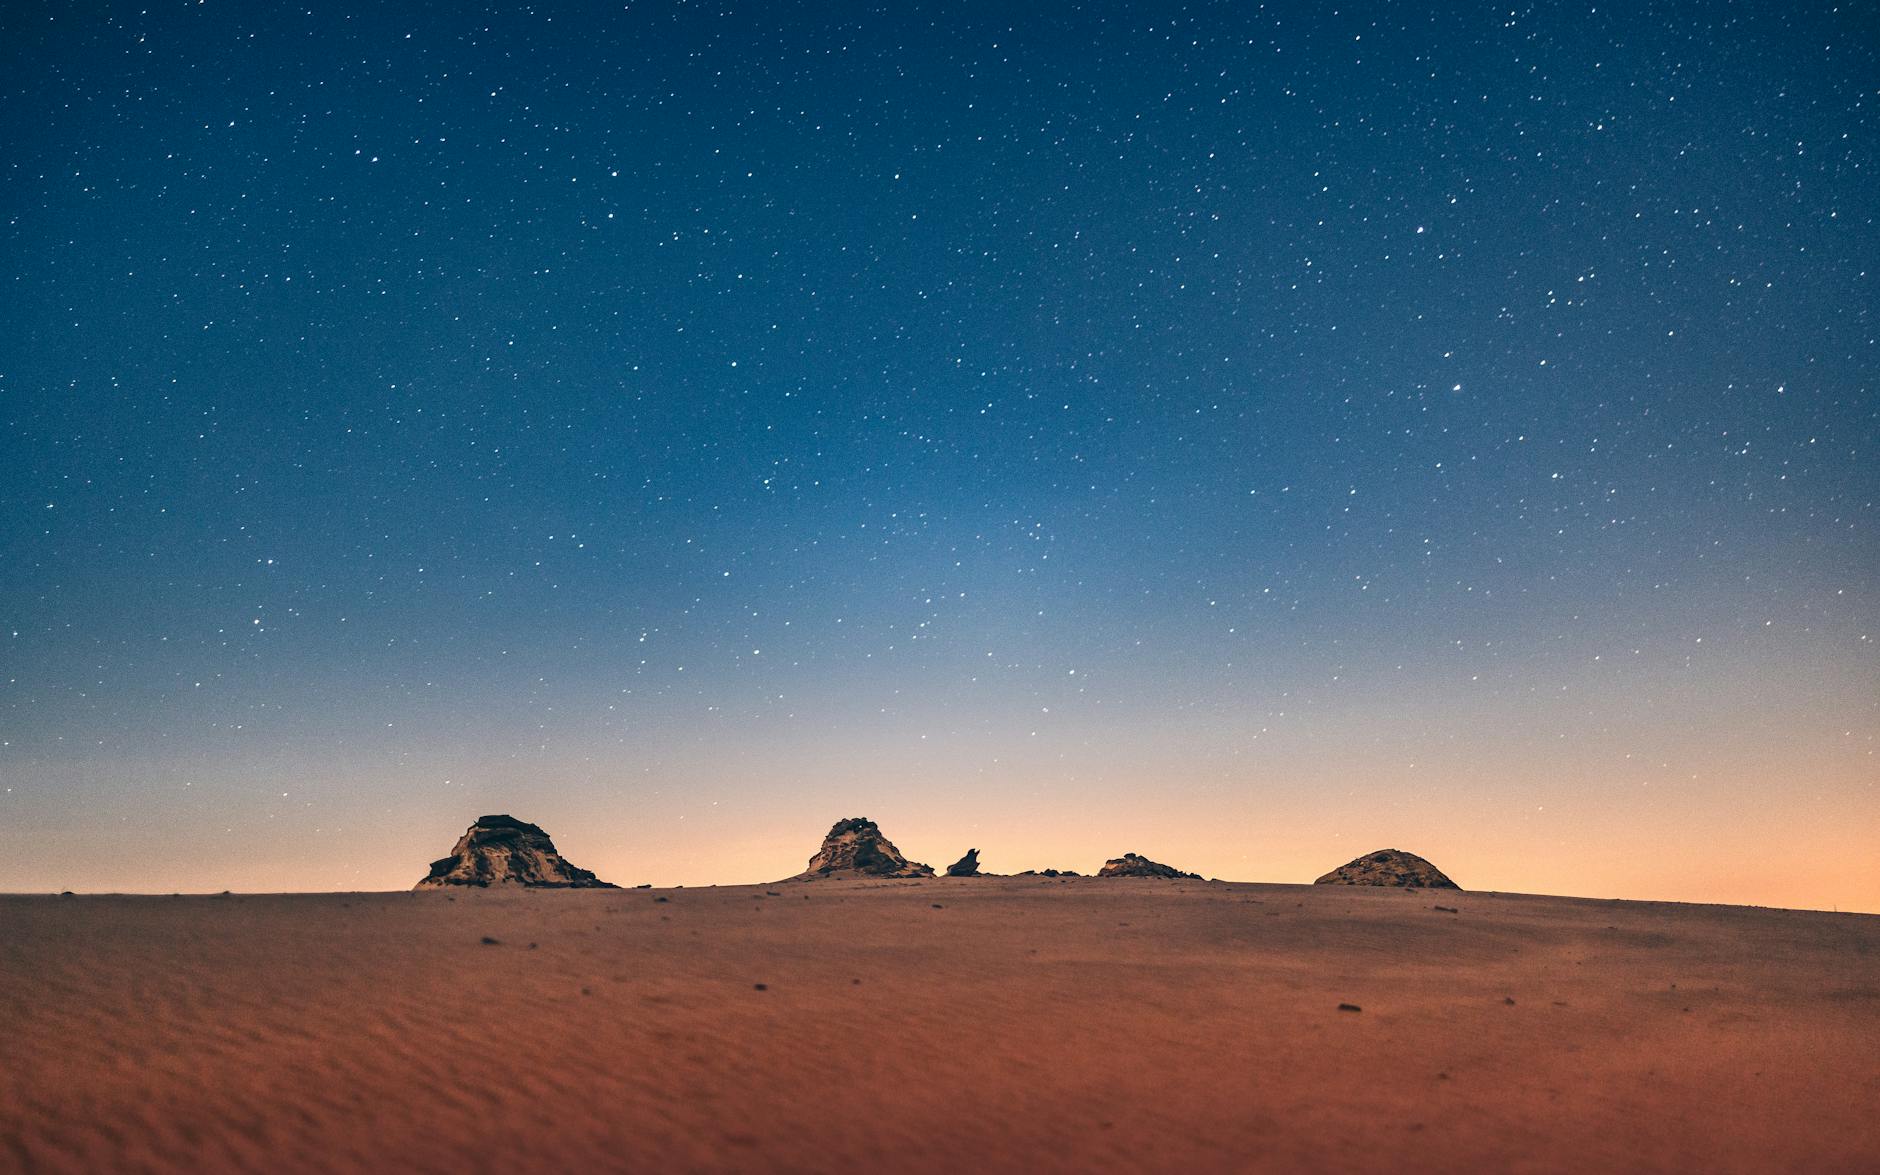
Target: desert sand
{"points": [[937, 1024]]}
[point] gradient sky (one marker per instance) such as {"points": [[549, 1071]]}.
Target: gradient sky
{"points": [[1249, 435]]}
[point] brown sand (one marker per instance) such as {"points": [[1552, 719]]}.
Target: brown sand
{"points": [[1024, 1024]]}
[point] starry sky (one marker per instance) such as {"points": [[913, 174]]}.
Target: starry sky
{"points": [[1245, 434]]}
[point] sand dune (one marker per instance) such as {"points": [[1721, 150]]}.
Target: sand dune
{"points": [[941, 1024]]}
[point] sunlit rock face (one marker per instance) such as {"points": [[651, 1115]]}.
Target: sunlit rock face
{"points": [[1131, 865], [856, 848], [1389, 867], [502, 850]]}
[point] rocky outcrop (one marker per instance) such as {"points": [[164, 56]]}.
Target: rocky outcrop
{"points": [[967, 866], [1130, 865], [502, 850], [856, 848], [1389, 867], [1050, 873]]}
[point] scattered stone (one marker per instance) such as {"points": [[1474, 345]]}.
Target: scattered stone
{"points": [[491, 942], [1389, 867], [760, 986], [967, 866], [1445, 909], [1349, 1008], [856, 848], [1131, 865], [502, 850]]}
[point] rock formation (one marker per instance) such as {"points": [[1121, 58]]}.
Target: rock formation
{"points": [[502, 850], [856, 848], [967, 866], [1389, 867], [1130, 865], [1050, 873]]}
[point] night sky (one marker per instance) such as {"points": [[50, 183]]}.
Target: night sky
{"points": [[1249, 435]]}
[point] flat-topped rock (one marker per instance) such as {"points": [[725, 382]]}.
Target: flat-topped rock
{"points": [[856, 848], [502, 850], [1389, 867], [1131, 865]]}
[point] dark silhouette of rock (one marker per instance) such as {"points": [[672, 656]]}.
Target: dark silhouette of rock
{"points": [[1050, 873], [967, 866], [1389, 867], [502, 850], [1130, 865], [856, 848]]}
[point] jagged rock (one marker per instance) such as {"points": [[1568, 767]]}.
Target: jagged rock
{"points": [[967, 866], [1050, 873], [856, 848], [1130, 865], [502, 850], [1389, 867]]}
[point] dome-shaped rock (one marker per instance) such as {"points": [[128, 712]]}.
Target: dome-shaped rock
{"points": [[1389, 867]]}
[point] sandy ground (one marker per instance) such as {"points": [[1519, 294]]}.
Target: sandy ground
{"points": [[945, 1025]]}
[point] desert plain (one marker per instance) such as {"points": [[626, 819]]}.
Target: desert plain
{"points": [[939, 1024]]}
